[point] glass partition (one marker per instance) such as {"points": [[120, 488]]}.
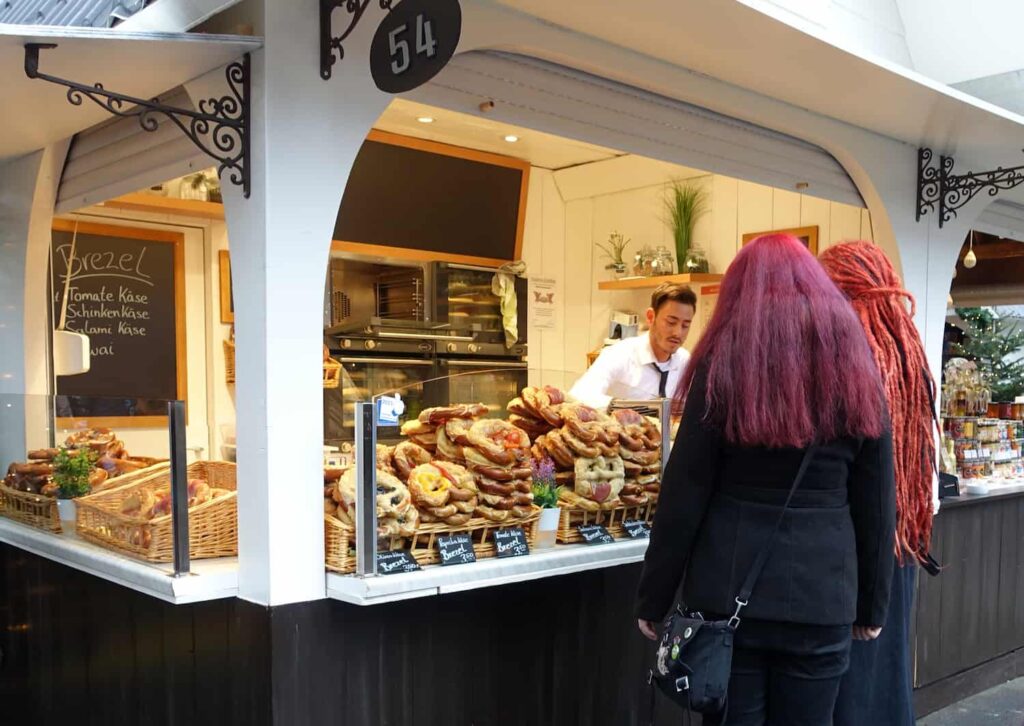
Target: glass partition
{"points": [[488, 453], [98, 470]]}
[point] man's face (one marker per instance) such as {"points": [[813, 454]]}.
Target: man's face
{"points": [[669, 326]]}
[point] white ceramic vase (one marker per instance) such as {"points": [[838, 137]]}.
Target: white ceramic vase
{"points": [[547, 526], [66, 510]]}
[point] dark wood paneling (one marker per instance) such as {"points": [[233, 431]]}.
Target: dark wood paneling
{"points": [[77, 649], [974, 611], [555, 651], [963, 685]]}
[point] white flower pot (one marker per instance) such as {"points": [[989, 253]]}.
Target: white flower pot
{"points": [[66, 510], [546, 528]]}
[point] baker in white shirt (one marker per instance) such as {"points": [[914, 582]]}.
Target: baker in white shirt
{"points": [[648, 365]]}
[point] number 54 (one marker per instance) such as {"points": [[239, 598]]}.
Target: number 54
{"points": [[425, 44]]}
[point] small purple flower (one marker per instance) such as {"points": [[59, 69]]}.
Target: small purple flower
{"points": [[543, 471]]}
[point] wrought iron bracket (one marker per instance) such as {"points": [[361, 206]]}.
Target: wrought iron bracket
{"points": [[225, 120], [939, 189], [332, 49]]}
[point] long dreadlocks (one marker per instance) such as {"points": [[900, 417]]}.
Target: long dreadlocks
{"points": [[866, 275]]}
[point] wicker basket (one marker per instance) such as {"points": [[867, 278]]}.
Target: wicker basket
{"points": [[612, 520], [213, 526], [35, 510], [339, 543], [423, 545], [229, 361], [332, 374]]}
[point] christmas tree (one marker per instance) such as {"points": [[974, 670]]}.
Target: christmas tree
{"points": [[996, 342]]}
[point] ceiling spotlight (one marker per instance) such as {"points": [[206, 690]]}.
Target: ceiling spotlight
{"points": [[971, 259], [511, 138], [425, 119]]}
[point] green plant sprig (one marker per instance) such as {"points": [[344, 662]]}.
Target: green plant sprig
{"points": [[616, 246], [71, 470]]}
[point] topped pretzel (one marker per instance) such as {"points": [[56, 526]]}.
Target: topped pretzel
{"points": [[439, 414], [499, 441], [538, 402]]}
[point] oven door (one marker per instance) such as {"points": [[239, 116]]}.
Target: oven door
{"points": [[492, 382], [364, 377], [463, 300]]}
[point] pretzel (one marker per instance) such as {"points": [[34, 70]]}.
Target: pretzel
{"points": [[495, 515], [466, 506], [439, 414], [457, 430], [554, 444], [532, 426], [518, 407], [460, 477], [488, 470], [406, 457], [496, 501], [522, 511], [459, 519], [415, 427], [489, 486], [642, 457], [430, 488], [540, 405], [522, 499], [578, 446], [383, 454], [448, 510], [447, 448], [576, 501], [498, 440], [427, 441], [631, 434], [556, 395]]}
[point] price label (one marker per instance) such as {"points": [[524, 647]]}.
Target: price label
{"points": [[392, 563], [637, 529], [511, 542], [456, 549], [594, 534], [414, 42]]}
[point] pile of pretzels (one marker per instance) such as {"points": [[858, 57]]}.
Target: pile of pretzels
{"points": [[640, 439], [396, 515]]}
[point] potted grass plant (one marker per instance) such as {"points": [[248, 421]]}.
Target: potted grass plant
{"points": [[685, 203], [545, 495], [613, 251], [71, 470]]}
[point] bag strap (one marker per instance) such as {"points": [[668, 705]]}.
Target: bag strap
{"points": [[762, 557]]}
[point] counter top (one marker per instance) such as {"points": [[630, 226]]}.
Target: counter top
{"points": [[209, 580], [438, 580], [1012, 488]]}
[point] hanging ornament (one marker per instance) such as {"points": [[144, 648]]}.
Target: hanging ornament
{"points": [[971, 259]]}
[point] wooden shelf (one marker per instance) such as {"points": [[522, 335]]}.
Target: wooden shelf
{"points": [[140, 202], [639, 283]]}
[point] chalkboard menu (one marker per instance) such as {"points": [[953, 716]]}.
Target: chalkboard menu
{"points": [[127, 294], [425, 196]]}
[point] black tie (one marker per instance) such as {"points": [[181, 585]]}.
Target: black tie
{"points": [[663, 381]]}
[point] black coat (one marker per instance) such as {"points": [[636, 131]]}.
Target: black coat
{"points": [[832, 560]]}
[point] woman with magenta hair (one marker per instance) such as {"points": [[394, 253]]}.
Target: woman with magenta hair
{"points": [[783, 373], [879, 688]]}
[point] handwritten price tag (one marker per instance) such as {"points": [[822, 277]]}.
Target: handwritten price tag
{"points": [[595, 534], [511, 542], [637, 529], [456, 549], [392, 563]]}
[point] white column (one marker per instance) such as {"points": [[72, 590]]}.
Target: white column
{"points": [[28, 188], [305, 135]]}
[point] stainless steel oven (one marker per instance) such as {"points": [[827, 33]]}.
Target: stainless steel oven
{"points": [[494, 382], [463, 300]]}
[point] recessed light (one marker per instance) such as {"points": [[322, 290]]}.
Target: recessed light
{"points": [[426, 119], [511, 138]]}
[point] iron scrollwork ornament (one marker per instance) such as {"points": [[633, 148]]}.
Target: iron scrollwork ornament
{"points": [[332, 47], [939, 189], [220, 126]]}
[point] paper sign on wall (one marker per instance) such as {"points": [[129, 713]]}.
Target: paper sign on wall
{"points": [[543, 301]]}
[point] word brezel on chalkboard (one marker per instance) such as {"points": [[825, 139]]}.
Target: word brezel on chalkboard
{"points": [[125, 292], [456, 549], [511, 542], [595, 534], [636, 528], [393, 563]]}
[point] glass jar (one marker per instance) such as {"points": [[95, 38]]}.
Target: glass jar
{"points": [[696, 262]]}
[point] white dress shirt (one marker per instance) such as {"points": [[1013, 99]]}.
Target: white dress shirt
{"points": [[624, 370]]}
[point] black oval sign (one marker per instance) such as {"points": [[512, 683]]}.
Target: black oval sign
{"points": [[414, 42]]}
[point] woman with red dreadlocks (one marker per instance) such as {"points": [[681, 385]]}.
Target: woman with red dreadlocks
{"points": [[878, 689]]}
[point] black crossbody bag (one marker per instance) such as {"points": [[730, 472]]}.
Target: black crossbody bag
{"points": [[694, 656]]}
